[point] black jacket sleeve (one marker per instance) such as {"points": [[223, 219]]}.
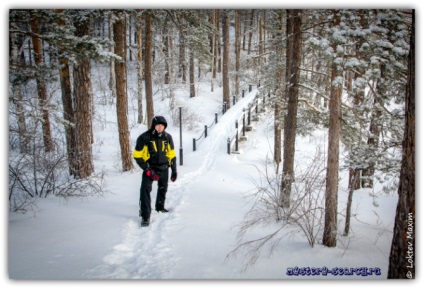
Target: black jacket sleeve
{"points": [[172, 154], [141, 152]]}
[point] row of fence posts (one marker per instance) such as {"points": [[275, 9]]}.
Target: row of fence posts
{"points": [[205, 132], [243, 130], [224, 109]]}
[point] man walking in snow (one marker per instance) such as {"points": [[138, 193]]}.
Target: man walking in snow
{"points": [[154, 153]]}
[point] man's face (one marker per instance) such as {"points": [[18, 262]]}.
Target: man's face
{"points": [[159, 128]]}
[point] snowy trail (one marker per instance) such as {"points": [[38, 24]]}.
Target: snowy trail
{"points": [[147, 253]]}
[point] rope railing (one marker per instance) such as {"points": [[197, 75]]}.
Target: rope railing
{"points": [[252, 108], [205, 131], [224, 109]]}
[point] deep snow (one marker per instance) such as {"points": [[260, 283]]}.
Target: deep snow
{"points": [[100, 237]]}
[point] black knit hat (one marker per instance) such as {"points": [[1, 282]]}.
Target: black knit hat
{"points": [[158, 120]]}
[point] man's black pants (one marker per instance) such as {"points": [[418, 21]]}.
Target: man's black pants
{"points": [[146, 188]]}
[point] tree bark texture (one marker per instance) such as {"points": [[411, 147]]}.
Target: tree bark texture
{"points": [[112, 77], [119, 32], [279, 94], [41, 85], [237, 51], [82, 96], [182, 68], [218, 44], [68, 109], [16, 43], [192, 86], [226, 58], [332, 180], [402, 253], [140, 75], [148, 70], [290, 120]]}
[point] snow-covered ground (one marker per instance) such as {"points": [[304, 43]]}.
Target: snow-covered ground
{"points": [[100, 237]]}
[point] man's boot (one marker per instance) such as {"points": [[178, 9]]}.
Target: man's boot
{"points": [[145, 221]]}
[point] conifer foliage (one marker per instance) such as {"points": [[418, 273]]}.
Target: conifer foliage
{"points": [[349, 72]]}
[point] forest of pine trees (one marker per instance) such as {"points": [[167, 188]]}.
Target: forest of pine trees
{"points": [[349, 71]]}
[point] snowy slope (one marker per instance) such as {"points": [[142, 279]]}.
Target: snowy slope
{"points": [[139, 255], [100, 238]]}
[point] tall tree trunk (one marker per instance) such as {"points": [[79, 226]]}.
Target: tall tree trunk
{"points": [[260, 50], [119, 32], [289, 51], [264, 34], [237, 50], [68, 114], [332, 180], [218, 43], [290, 121], [16, 43], [355, 173], [112, 77], [244, 29], [191, 61], [226, 60], [279, 93], [402, 253], [148, 69], [373, 139], [171, 87], [129, 29], [353, 182], [41, 84], [140, 73], [68, 109], [166, 54], [83, 118], [182, 67], [213, 51], [249, 45]]}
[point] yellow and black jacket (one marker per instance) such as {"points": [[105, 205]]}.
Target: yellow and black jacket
{"points": [[155, 150]]}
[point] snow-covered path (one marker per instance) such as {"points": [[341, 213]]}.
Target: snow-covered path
{"points": [[101, 238], [149, 253]]}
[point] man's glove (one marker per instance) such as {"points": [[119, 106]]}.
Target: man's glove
{"points": [[152, 175], [174, 176]]}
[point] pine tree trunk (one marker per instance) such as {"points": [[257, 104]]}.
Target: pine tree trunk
{"points": [[68, 109], [148, 70], [82, 96], [260, 50], [290, 121], [41, 85], [213, 50], [182, 67], [373, 139], [16, 42], [332, 180], [129, 29], [226, 60], [68, 114], [289, 51], [166, 53], [244, 29], [121, 92], [353, 180], [402, 253], [249, 45], [279, 95], [218, 43], [192, 87], [171, 77], [140, 75], [237, 51], [112, 77]]}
